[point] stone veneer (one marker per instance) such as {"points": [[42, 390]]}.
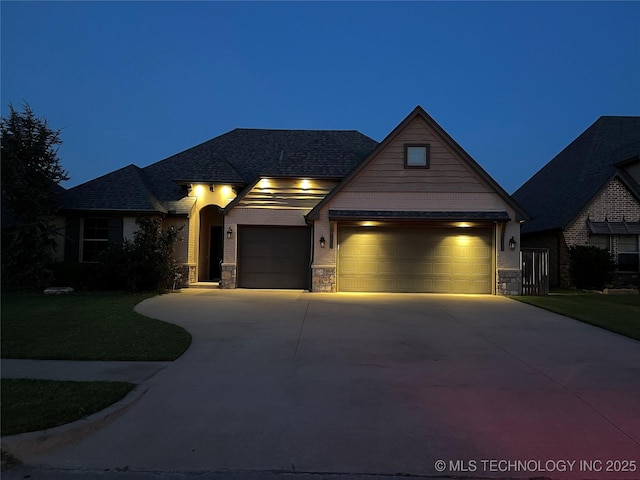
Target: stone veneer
{"points": [[324, 279], [187, 272], [228, 275], [509, 282]]}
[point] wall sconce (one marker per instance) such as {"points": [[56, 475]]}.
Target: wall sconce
{"points": [[322, 242], [212, 187], [229, 232], [189, 187], [512, 243]]}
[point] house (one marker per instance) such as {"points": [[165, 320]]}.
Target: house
{"points": [[320, 210], [589, 194]]}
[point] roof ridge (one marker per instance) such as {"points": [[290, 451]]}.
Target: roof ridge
{"points": [[102, 176], [351, 130], [153, 198]]}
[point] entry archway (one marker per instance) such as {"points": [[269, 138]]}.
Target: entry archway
{"points": [[210, 244]]}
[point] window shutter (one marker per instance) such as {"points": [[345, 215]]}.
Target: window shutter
{"points": [[72, 239], [115, 230]]}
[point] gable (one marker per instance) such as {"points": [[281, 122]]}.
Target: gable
{"points": [[560, 190], [614, 203], [453, 180], [447, 171]]}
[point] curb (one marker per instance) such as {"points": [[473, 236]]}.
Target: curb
{"points": [[25, 445]]}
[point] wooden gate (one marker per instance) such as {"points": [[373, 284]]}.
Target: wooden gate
{"points": [[535, 271]]}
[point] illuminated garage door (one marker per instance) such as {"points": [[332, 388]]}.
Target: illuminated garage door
{"points": [[399, 259], [273, 257]]}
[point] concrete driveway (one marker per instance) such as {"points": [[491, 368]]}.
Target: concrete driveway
{"points": [[378, 384]]}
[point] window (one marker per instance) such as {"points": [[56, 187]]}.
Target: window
{"points": [[628, 253], [600, 241], [95, 238], [416, 155]]}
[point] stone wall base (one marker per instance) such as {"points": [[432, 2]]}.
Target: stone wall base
{"points": [[187, 275], [509, 282], [228, 276], [323, 279]]}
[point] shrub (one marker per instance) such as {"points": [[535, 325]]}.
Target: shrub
{"points": [[144, 263], [590, 267], [80, 276]]}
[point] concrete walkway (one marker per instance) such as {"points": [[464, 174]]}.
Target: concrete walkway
{"points": [[422, 385]]}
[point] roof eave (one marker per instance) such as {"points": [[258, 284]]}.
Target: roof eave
{"points": [[111, 211]]}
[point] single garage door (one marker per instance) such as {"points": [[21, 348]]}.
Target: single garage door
{"points": [[273, 257], [415, 259]]}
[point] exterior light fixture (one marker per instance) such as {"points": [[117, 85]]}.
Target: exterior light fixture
{"points": [[212, 187], [512, 243], [323, 242], [229, 232]]}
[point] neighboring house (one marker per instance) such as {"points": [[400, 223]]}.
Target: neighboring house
{"points": [[317, 210], [589, 194]]}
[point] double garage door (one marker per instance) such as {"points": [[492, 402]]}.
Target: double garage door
{"points": [[415, 259], [372, 259]]}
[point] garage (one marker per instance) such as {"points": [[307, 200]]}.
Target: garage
{"points": [[415, 259], [273, 257]]}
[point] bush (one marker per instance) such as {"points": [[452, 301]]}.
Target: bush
{"points": [[144, 264], [590, 267], [80, 276]]}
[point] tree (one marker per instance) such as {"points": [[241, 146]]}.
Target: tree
{"points": [[30, 173]]}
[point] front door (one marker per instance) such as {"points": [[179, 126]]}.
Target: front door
{"points": [[215, 253]]}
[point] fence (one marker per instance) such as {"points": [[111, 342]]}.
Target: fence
{"points": [[535, 271]]}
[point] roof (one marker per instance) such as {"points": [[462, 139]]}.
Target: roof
{"points": [[557, 193], [125, 189], [521, 214], [237, 157]]}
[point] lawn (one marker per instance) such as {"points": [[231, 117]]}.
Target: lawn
{"points": [[617, 313], [86, 326], [30, 405]]}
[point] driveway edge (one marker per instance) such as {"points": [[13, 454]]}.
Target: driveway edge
{"points": [[25, 445]]}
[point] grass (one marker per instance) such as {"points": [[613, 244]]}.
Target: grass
{"points": [[617, 313], [29, 405], [86, 326]]}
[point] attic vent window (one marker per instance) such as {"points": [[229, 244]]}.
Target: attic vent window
{"points": [[416, 155]]}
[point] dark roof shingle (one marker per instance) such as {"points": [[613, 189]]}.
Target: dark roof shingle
{"points": [[237, 157], [558, 192], [124, 189]]}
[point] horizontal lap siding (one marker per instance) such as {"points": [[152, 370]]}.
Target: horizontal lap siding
{"points": [[287, 193], [447, 172], [426, 201]]}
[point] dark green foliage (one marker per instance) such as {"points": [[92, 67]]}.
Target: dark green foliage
{"points": [[30, 173], [80, 276], [617, 313], [590, 267], [144, 264], [85, 326], [29, 405]]}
